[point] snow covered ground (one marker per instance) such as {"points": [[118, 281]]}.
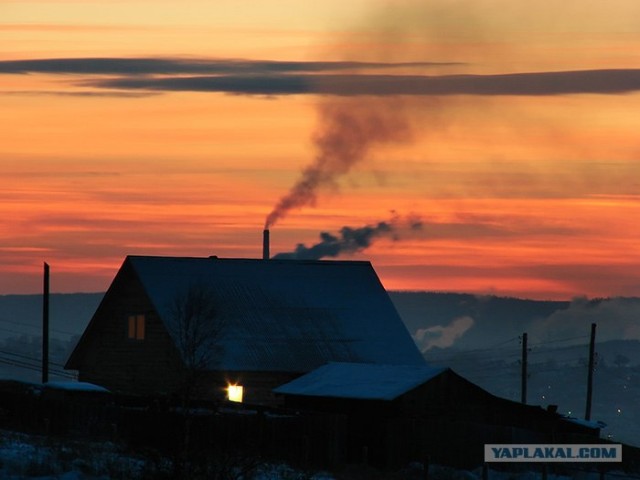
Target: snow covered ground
{"points": [[42, 458]]}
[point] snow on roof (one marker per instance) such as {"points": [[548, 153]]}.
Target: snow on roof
{"points": [[288, 315], [360, 381], [595, 424], [76, 386]]}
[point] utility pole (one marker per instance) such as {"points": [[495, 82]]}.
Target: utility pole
{"points": [[523, 388], [45, 325], [592, 349]]}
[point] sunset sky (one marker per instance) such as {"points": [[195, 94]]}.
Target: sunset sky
{"points": [[507, 132]]}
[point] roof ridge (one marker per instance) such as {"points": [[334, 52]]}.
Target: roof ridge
{"points": [[252, 260]]}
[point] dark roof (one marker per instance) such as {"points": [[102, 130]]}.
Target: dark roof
{"points": [[288, 315], [360, 381]]}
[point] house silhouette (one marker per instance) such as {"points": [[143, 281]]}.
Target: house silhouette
{"points": [[275, 320]]}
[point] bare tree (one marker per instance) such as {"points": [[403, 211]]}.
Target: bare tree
{"points": [[197, 326]]}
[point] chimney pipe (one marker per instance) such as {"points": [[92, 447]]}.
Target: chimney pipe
{"points": [[265, 244]]}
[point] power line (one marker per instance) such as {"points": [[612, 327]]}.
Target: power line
{"points": [[36, 368], [36, 327], [31, 341], [26, 357], [458, 356], [560, 340], [472, 352]]}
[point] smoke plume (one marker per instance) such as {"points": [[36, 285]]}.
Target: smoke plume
{"points": [[617, 318], [349, 128], [351, 240], [442, 336], [347, 131]]}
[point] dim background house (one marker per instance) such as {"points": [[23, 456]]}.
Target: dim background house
{"points": [[275, 320]]}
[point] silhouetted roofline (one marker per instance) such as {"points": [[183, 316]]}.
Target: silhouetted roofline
{"points": [[278, 315], [360, 381], [251, 260]]}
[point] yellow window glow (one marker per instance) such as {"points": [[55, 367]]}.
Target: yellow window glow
{"points": [[140, 327], [234, 393], [132, 327], [136, 327]]}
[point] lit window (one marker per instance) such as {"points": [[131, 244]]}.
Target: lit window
{"points": [[136, 327], [234, 393]]}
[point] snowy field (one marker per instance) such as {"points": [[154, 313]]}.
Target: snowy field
{"points": [[41, 458]]}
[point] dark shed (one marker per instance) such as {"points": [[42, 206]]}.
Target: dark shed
{"points": [[401, 413]]}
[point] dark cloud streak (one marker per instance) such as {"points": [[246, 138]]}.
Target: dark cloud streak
{"points": [[522, 84], [172, 66], [263, 77], [79, 93]]}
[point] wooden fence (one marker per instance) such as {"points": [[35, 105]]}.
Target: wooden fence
{"points": [[305, 439], [309, 439]]}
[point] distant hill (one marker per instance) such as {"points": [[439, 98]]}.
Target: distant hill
{"points": [[489, 318], [69, 313], [21, 332], [467, 321], [464, 321]]}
